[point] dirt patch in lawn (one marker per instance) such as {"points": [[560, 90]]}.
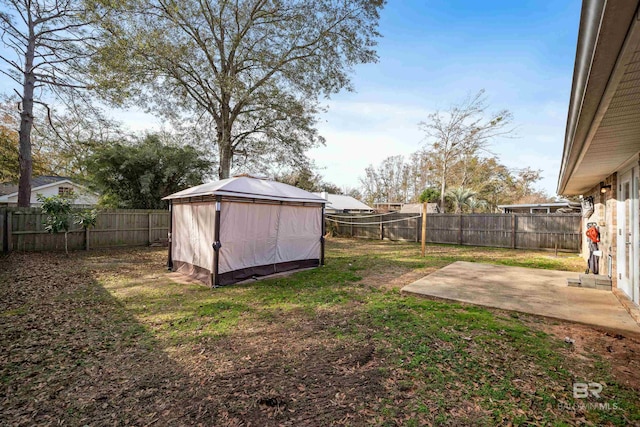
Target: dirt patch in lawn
{"points": [[621, 352], [310, 382]]}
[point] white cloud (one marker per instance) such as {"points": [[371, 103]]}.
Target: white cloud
{"points": [[362, 133], [136, 120]]}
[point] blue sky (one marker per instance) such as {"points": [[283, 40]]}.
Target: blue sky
{"points": [[434, 53]]}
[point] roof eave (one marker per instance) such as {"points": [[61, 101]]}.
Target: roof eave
{"points": [[603, 29], [590, 19]]}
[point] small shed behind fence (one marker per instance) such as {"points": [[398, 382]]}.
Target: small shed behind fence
{"points": [[226, 231]]}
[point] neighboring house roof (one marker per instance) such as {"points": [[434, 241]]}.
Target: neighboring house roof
{"points": [[388, 205], [250, 188], [38, 183], [416, 208], [602, 130], [536, 205], [566, 207], [9, 188], [343, 203]]}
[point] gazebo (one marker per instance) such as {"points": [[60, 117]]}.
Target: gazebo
{"points": [[227, 231]]}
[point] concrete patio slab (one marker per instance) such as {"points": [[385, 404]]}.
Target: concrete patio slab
{"points": [[526, 290]]}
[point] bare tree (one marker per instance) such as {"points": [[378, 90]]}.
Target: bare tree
{"points": [[255, 68], [45, 44], [74, 133], [492, 182], [352, 192], [462, 132], [389, 182]]}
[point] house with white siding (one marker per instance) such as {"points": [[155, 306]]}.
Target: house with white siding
{"points": [[48, 186]]}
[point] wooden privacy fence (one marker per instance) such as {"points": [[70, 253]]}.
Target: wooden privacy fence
{"points": [[23, 230], [518, 231]]}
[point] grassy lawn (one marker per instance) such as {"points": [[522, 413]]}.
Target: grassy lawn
{"points": [[109, 338]]}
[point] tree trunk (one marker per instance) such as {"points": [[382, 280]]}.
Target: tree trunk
{"points": [[26, 123], [224, 169], [66, 247], [225, 150]]}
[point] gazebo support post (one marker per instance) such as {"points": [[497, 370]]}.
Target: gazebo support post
{"points": [[322, 238], [216, 245], [170, 237]]}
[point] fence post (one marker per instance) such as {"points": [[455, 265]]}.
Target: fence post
{"points": [[2, 231], [424, 229], [8, 232], [381, 229], [460, 231], [86, 238], [116, 229], [149, 227], [514, 221]]}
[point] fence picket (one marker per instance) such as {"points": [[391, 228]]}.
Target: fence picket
{"points": [[22, 229], [518, 231]]}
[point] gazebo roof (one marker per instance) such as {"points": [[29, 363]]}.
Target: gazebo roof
{"points": [[250, 188]]}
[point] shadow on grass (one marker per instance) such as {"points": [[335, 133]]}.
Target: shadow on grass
{"points": [[72, 354], [84, 341]]}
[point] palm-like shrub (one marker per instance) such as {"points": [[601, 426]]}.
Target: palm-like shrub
{"points": [[459, 197], [474, 204]]}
